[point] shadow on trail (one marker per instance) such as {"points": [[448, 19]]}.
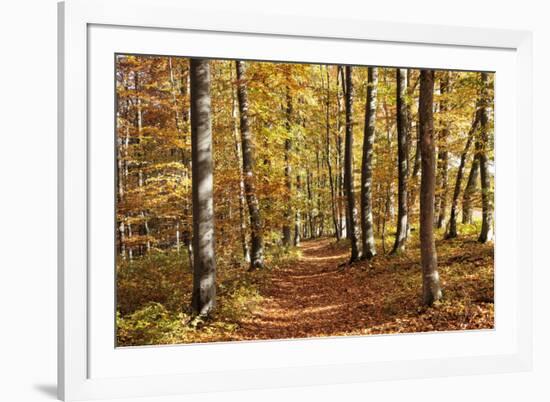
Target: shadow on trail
{"points": [[315, 297]]}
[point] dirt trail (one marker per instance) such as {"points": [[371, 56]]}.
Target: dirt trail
{"points": [[317, 296], [313, 297]]}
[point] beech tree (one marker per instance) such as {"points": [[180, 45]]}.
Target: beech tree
{"points": [[287, 236], [482, 145], [204, 266], [469, 192], [238, 157], [443, 154], [431, 290], [348, 171], [402, 161], [257, 246], [367, 225]]}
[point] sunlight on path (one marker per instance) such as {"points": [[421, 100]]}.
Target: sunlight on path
{"points": [[304, 298]]}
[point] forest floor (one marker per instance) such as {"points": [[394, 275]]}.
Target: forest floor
{"points": [[315, 294], [320, 295]]}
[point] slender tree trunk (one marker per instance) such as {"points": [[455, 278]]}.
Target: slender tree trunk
{"points": [[340, 84], [387, 206], [320, 214], [311, 223], [185, 159], [413, 182], [204, 267], [452, 231], [402, 161], [367, 230], [257, 249], [482, 146], [431, 289], [467, 208], [122, 172], [298, 219], [329, 162], [120, 197], [443, 155], [411, 165], [238, 157], [139, 124], [287, 236], [348, 177], [126, 175]]}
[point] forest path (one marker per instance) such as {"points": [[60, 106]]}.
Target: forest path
{"points": [[318, 296], [313, 296]]}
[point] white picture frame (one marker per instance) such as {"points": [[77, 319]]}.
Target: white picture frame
{"points": [[89, 365]]}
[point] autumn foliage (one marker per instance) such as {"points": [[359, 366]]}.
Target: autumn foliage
{"points": [[299, 119]]}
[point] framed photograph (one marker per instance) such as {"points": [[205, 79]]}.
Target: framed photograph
{"points": [[255, 201]]}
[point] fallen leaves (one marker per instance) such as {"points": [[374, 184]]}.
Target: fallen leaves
{"points": [[313, 296]]}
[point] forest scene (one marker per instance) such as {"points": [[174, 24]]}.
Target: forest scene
{"points": [[265, 200]]}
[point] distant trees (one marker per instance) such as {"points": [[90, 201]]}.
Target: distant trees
{"points": [[452, 231], [204, 266], [431, 290]]}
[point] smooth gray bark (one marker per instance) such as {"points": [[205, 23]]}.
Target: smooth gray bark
{"points": [[238, 157], [431, 290], [333, 205], [204, 267], [348, 171], [367, 225], [340, 89], [402, 162], [287, 234], [482, 149], [443, 154]]}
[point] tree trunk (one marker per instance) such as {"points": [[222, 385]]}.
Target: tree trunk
{"points": [[402, 161], [238, 157], [431, 290], [413, 182], [467, 216], [443, 155], [311, 223], [415, 162], [387, 206], [257, 249], [367, 231], [204, 267], [482, 150], [287, 235], [333, 207], [298, 218], [139, 124], [452, 231], [348, 177], [186, 161], [340, 84]]}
